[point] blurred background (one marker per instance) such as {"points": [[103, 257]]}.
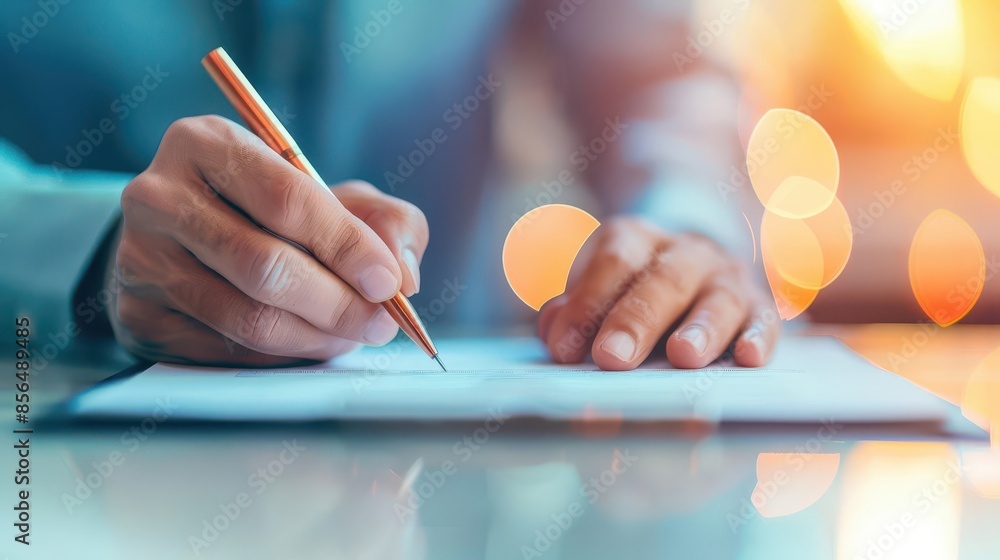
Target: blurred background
{"points": [[888, 80], [891, 81]]}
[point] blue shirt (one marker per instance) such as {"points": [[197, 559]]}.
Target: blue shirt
{"points": [[404, 94]]}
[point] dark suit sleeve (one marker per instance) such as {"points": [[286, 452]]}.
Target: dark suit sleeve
{"points": [[51, 227]]}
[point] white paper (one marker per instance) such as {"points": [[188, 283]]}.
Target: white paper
{"points": [[809, 380]]}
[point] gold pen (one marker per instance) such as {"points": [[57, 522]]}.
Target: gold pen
{"points": [[264, 124]]}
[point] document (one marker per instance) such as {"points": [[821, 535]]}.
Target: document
{"points": [[809, 380]]}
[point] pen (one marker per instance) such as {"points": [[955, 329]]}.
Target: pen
{"points": [[264, 124]]}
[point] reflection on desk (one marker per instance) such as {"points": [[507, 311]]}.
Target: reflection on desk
{"points": [[149, 490]]}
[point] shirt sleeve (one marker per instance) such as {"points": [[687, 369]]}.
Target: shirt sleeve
{"points": [[658, 119], [51, 226]]}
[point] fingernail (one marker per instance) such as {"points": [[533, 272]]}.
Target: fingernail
{"points": [[620, 345], [381, 330], [410, 258], [378, 283], [697, 336]]}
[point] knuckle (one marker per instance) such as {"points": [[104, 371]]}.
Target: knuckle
{"points": [[344, 320], [184, 129], [215, 123], [728, 294], [409, 213], [124, 255], [588, 313], [640, 313], [193, 134], [671, 275], [286, 194], [346, 246], [271, 273], [142, 194], [612, 260], [127, 312], [260, 327], [406, 216], [128, 261]]}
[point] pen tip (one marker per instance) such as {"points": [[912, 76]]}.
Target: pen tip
{"points": [[440, 363]]}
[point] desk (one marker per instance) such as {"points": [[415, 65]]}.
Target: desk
{"points": [[153, 491]]}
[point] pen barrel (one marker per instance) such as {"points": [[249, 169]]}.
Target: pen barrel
{"points": [[409, 321]]}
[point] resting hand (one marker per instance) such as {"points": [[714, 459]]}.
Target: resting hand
{"points": [[640, 284]]}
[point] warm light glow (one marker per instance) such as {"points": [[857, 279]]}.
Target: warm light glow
{"points": [[540, 250], [790, 482], [900, 500], [982, 469], [793, 164], [947, 267], [981, 400], [922, 41], [809, 253], [981, 131], [791, 300]]}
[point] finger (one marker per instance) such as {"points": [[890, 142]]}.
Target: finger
{"points": [[400, 225], [163, 335], [257, 326], [707, 330], [756, 343], [286, 201], [665, 290], [276, 273], [548, 314], [621, 251]]}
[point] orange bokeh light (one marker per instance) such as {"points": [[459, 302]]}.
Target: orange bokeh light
{"points": [[947, 267], [790, 482], [792, 164], [981, 131], [981, 399], [885, 511], [809, 253], [922, 42], [540, 250]]}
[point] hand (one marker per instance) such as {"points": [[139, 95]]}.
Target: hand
{"points": [[201, 281], [638, 283]]}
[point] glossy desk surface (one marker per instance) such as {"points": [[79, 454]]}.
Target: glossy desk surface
{"points": [[153, 490]]}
